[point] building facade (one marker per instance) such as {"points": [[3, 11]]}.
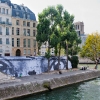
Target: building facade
{"points": [[5, 28], [17, 29], [44, 49], [79, 27], [23, 31]]}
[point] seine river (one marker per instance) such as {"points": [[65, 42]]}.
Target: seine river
{"points": [[89, 90]]}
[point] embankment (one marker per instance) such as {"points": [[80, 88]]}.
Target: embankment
{"points": [[35, 84]]}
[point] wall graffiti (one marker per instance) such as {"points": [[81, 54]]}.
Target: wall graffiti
{"points": [[25, 66]]}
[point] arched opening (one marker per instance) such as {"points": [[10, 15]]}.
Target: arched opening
{"points": [[18, 52]]}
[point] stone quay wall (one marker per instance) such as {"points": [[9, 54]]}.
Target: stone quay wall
{"points": [[30, 87]]}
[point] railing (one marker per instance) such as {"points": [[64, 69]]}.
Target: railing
{"points": [[6, 23]]}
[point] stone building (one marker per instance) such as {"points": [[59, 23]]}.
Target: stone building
{"points": [[5, 27], [23, 31], [79, 27], [17, 29]]}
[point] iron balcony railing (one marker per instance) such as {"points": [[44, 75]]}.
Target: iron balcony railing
{"points": [[5, 23]]}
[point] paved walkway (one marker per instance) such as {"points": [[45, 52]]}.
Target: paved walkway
{"points": [[6, 81]]}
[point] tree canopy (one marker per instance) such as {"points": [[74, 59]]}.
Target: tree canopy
{"points": [[91, 48], [56, 27]]}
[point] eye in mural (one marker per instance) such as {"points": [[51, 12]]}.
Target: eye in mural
{"points": [[25, 66]]}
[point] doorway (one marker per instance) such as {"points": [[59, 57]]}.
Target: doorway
{"points": [[18, 52]]}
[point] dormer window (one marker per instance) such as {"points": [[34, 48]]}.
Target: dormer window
{"points": [[28, 16], [26, 9], [17, 13], [24, 16], [21, 8], [15, 6]]}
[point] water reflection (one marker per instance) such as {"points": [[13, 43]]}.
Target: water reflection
{"points": [[89, 90]]}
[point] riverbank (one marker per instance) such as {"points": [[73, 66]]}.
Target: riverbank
{"points": [[34, 84]]}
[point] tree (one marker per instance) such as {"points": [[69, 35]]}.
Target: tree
{"points": [[45, 28], [56, 27], [69, 36], [73, 46], [91, 48]]}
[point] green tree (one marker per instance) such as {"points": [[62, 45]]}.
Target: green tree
{"points": [[56, 27], [73, 46], [45, 28], [69, 35]]}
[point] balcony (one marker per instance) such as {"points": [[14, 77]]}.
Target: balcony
{"points": [[6, 23]]}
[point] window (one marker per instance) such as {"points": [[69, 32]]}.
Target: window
{"points": [[0, 30], [7, 11], [28, 16], [28, 32], [34, 34], [18, 42], [17, 13], [12, 42], [24, 23], [3, 10], [29, 52], [21, 7], [0, 10], [7, 20], [81, 27], [33, 24], [35, 52], [0, 19], [78, 26], [0, 40], [28, 24], [34, 43], [24, 30], [26, 9], [79, 33], [24, 42], [24, 51], [15, 6], [12, 30], [7, 41], [24, 16], [17, 22], [1, 50], [28, 42], [7, 30], [17, 31]]}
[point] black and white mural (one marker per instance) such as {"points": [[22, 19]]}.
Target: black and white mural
{"points": [[25, 66]]}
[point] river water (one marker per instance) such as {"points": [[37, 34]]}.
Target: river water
{"points": [[89, 90]]}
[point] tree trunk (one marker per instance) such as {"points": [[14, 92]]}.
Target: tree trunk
{"points": [[48, 64], [67, 55], [96, 66], [59, 58], [48, 58]]}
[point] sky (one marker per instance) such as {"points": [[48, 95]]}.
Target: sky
{"points": [[87, 11]]}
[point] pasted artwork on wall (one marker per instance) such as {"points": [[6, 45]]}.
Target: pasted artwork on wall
{"points": [[31, 65]]}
